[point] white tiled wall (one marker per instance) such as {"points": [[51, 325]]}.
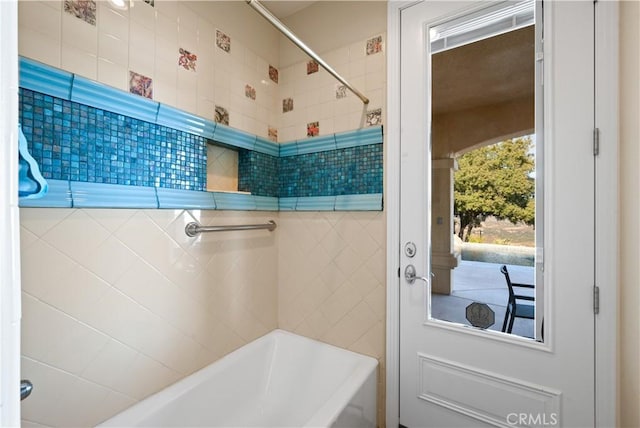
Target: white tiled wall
{"points": [[332, 264], [120, 303], [314, 95], [331, 281]]}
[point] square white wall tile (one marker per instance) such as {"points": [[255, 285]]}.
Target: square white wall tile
{"points": [[376, 63], [358, 50], [113, 74], [54, 4], [147, 376], [357, 68], [187, 17], [111, 21], [166, 72], [79, 62], [236, 83], [187, 82], [113, 49], [142, 61], [377, 99], [167, 26], [187, 102], [262, 68], [375, 80], [236, 103], [205, 64], [77, 235], [38, 46], [222, 60], [169, 8], [49, 334], [223, 96], [300, 91], [206, 86], [60, 391], [206, 109], [236, 118], [167, 51], [141, 37], [188, 38], [337, 57], [164, 92], [237, 52], [53, 266], [346, 123], [262, 115], [40, 17], [206, 33], [286, 76], [79, 34], [142, 13], [103, 6], [250, 59]]}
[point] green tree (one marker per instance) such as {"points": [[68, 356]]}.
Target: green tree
{"points": [[495, 180]]}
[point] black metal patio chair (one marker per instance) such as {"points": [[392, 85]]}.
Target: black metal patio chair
{"points": [[514, 308]]}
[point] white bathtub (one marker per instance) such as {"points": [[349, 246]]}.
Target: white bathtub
{"points": [[278, 380]]}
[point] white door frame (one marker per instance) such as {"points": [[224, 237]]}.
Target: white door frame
{"points": [[10, 221], [606, 188]]}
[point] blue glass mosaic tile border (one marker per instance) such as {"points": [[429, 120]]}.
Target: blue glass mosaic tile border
{"points": [[58, 83], [258, 173], [102, 142], [72, 141], [349, 171]]}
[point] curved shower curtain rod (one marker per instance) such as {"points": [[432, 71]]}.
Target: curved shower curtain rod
{"points": [[258, 7]]}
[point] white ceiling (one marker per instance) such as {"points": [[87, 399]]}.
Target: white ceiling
{"points": [[283, 8]]}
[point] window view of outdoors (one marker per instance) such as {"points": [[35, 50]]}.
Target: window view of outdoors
{"points": [[494, 220], [484, 228]]}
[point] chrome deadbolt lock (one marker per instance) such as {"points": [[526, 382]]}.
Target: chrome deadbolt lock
{"points": [[410, 249]]}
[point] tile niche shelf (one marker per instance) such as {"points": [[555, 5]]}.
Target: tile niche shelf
{"points": [[57, 83]]}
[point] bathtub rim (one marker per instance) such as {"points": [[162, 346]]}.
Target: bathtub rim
{"points": [[326, 414]]}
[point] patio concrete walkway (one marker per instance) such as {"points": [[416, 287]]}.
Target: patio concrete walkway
{"points": [[482, 282]]}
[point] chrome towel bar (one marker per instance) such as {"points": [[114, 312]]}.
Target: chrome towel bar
{"points": [[193, 228]]}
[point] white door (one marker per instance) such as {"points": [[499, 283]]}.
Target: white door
{"points": [[9, 219], [452, 375]]}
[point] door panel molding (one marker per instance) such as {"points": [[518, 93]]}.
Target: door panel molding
{"points": [[483, 395]]}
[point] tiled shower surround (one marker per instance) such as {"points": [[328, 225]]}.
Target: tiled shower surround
{"points": [[71, 141], [119, 303]]}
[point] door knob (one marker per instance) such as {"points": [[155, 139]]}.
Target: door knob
{"points": [[410, 275]]}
